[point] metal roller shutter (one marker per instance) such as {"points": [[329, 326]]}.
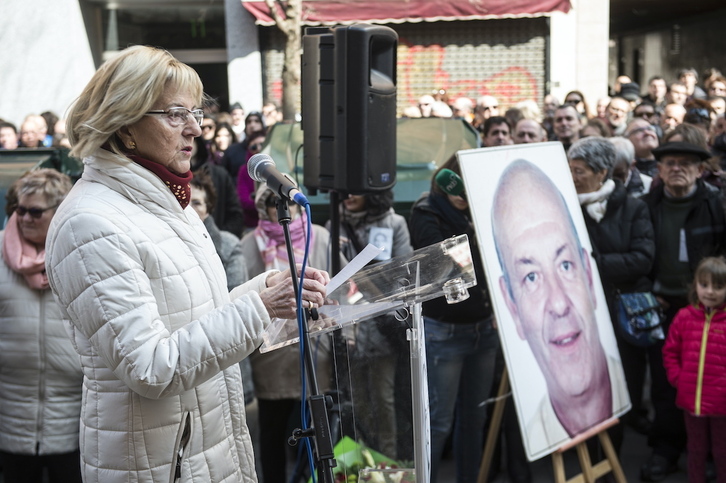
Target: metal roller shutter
{"points": [[505, 58]]}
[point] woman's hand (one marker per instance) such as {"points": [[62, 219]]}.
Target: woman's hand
{"points": [[279, 296]]}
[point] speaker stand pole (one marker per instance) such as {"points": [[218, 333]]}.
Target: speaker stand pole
{"points": [[319, 405]]}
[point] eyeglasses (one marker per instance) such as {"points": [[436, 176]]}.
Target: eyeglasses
{"points": [[34, 213], [486, 108], [178, 116], [642, 129]]}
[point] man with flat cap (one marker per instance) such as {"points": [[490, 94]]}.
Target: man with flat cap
{"points": [[689, 224]]}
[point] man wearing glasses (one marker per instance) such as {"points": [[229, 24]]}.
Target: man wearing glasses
{"points": [[688, 220], [617, 114], [645, 139], [486, 107]]}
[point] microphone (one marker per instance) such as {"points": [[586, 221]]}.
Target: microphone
{"points": [[262, 168], [450, 183]]}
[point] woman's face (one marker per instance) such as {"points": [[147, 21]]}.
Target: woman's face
{"points": [[458, 202], [355, 203], [34, 229], [272, 211], [256, 145], [159, 141], [576, 101], [199, 202], [223, 139], [253, 124], [208, 127], [586, 180]]}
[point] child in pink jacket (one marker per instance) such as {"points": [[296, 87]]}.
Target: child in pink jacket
{"points": [[694, 356]]}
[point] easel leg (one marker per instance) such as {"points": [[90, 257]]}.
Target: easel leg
{"points": [[583, 455], [558, 466], [495, 424], [612, 457]]}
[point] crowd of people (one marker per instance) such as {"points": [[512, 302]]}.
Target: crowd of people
{"points": [[649, 172], [163, 308]]}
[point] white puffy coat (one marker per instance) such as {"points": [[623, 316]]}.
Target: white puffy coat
{"points": [[40, 373], [146, 297]]}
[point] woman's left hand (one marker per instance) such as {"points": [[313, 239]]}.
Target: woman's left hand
{"points": [[279, 296]]}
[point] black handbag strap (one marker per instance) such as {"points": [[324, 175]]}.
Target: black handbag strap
{"points": [[352, 237]]}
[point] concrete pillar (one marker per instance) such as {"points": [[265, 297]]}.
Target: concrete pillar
{"points": [[45, 61], [579, 50], [653, 54], [244, 68]]}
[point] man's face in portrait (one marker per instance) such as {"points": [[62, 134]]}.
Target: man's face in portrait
{"points": [[550, 291]]}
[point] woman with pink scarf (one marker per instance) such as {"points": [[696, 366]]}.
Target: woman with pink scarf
{"points": [[40, 372], [276, 374]]}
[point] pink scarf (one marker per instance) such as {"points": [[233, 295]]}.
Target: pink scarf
{"points": [[22, 257], [271, 242]]}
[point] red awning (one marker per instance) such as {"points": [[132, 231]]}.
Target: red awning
{"points": [[341, 12]]}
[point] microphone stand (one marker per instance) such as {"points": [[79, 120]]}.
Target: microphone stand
{"points": [[319, 404]]}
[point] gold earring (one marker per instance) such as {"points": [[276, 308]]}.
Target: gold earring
{"points": [[132, 145]]}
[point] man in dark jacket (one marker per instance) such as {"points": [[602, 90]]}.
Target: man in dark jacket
{"points": [[688, 220]]}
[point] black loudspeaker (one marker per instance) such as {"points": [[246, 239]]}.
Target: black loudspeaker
{"points": [[349, 108], [365, 101], [318, 107]]}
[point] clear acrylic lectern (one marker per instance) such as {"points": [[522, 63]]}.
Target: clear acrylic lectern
{"points": [[398, 285]]}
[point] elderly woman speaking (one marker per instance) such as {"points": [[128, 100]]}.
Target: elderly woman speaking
{"points": [[138, 278]]}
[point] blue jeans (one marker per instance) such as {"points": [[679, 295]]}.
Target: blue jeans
{"points": [[460, 360]]}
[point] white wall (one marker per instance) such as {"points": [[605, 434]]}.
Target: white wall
{"points": [[579, 50], [45, 59], [244, 60]]}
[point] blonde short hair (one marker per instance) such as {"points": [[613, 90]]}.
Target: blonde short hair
{"points": [[51, 184], [120, 93]]}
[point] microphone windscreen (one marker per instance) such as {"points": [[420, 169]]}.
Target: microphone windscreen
{"points": [[256, 162]]}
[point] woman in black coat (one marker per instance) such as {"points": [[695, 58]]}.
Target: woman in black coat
{"points": [[623, 242], [461, 340]]}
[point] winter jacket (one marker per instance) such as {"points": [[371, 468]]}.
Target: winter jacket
{"points": [[433, 220], [623, 244], [694, 356], [229, 251], [40, 372], [705, 227], [361, 229], [145, 295]]}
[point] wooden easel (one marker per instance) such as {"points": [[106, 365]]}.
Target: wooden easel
{"points": [[590, 472]]}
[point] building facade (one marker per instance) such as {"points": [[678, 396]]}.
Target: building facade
{"points": [[55, 45]]}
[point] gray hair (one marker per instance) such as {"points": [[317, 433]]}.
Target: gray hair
{"points": [[597, 153], [624, 150]]}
